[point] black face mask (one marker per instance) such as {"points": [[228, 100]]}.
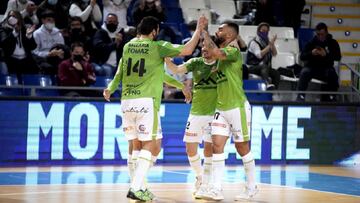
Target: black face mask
{"points": [[111, 27], [76, 31], [78, 57]]}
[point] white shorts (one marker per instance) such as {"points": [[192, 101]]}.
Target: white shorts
{"points": [[235, 121], [140, 120], [198, 128]]}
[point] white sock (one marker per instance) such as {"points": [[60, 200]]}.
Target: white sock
{"points": [[195, 163], [249, 166], [130, 166], [134, 156], [153, 161], [218, 168], [142, 166], [207, 170]]}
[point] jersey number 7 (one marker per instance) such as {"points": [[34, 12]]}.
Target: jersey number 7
{"points": [[139, 67]]}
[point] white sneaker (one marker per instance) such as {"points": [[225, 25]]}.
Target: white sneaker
{"points": [[247, 193], [198, 183], [201, 192], [214, 194]]}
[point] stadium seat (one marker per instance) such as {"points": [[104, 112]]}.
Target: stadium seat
{"points": [[38, 80], [287, 46], [256, 85], [185, 4], [170, 4], [282, 32], [102, 81], [3, 68], [304, 36], [10, 81], [194, 13], [226, 9]]}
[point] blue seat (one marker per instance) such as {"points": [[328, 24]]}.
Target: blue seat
{"points": [[102, 81], [305, 35], [10, 81], [256, 85], [170, 3], [3, 68], [39, 80]]}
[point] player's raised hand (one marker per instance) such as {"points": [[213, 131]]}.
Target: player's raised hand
{"points": [[187, 93], [106, 94]]}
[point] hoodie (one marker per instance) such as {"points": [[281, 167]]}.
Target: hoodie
{"points": [[45, 40]]}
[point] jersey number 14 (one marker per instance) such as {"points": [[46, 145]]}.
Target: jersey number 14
{"points": [[138, 67]]}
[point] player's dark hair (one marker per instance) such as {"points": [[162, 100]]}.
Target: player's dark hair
{"points": [[232, 25], [147, 25]]}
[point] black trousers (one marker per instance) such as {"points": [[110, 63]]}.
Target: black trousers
{"points": [[270, 75], [327, 75]]}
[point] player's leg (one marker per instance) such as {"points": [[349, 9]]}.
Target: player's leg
{"points": [[220, 131], [192, 139], [241, 132], [136, 147]]}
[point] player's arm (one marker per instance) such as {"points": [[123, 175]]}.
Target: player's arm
{"points": [[174, 68], [114, 84], [227, 53], [192, 43]]}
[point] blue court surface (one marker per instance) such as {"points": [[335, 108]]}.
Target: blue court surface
{"points": [[292, 178]]}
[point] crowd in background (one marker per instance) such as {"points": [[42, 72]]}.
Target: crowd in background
{"points": [[75, 41]]}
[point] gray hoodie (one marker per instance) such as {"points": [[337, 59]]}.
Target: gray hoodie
{"points": [[45, 40]]}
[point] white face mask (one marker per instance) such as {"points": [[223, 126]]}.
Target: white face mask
{"points": [[49, 26], [12, 21], [52, 2], [117, 2]]}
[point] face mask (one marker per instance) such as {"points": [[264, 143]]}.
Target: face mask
{"points": [[76, 31], [117, 2], [77, 57], [49, 26], [23, 1], [52, 2], [12, 21], [263, 35], [111, 27]]}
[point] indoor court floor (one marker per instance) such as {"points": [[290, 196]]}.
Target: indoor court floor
{"points": [[84, 184]]}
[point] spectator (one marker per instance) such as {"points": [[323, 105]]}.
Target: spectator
{"points": [[259, 55], [76, 33], [319, 56], [76, 71], [108, 44], [58, 7], [17, 43], [148, 8], [46, 37], [118, 7], [89, 12], [15, 5], [29, 15]]}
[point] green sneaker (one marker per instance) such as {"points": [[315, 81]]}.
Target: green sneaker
{"points": [[150, 194], [138, 195]]}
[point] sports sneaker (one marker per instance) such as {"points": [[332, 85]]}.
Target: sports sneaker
{"points": [[198, 182], [201, 192], [150, 194], [247, 193], [138, 195], [214, 194]]}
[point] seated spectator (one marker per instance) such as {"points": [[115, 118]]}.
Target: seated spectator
{"points": [[55, 60], [319, 56], [17, 43], [148, 8], [15, 5], [56, 6], [76, 33], [76, 71], [118, 7], [259, 55], [89, 12], [29, 15], [46, 37], [108, 44]]}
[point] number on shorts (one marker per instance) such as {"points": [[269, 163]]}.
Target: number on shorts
{"points": [[216, 116]]}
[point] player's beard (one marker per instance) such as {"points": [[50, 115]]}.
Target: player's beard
{"points": [[219, 40]]}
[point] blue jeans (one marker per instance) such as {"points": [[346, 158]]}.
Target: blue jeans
{"points": [[104, 69]]}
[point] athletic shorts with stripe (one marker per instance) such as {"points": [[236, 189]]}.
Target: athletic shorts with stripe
{"points": [[198, 128], [139, 119], [235, 122]]}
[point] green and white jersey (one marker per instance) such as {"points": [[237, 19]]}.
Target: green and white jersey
{"points": [[204, 86], [143, 68], [229, 81]]}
